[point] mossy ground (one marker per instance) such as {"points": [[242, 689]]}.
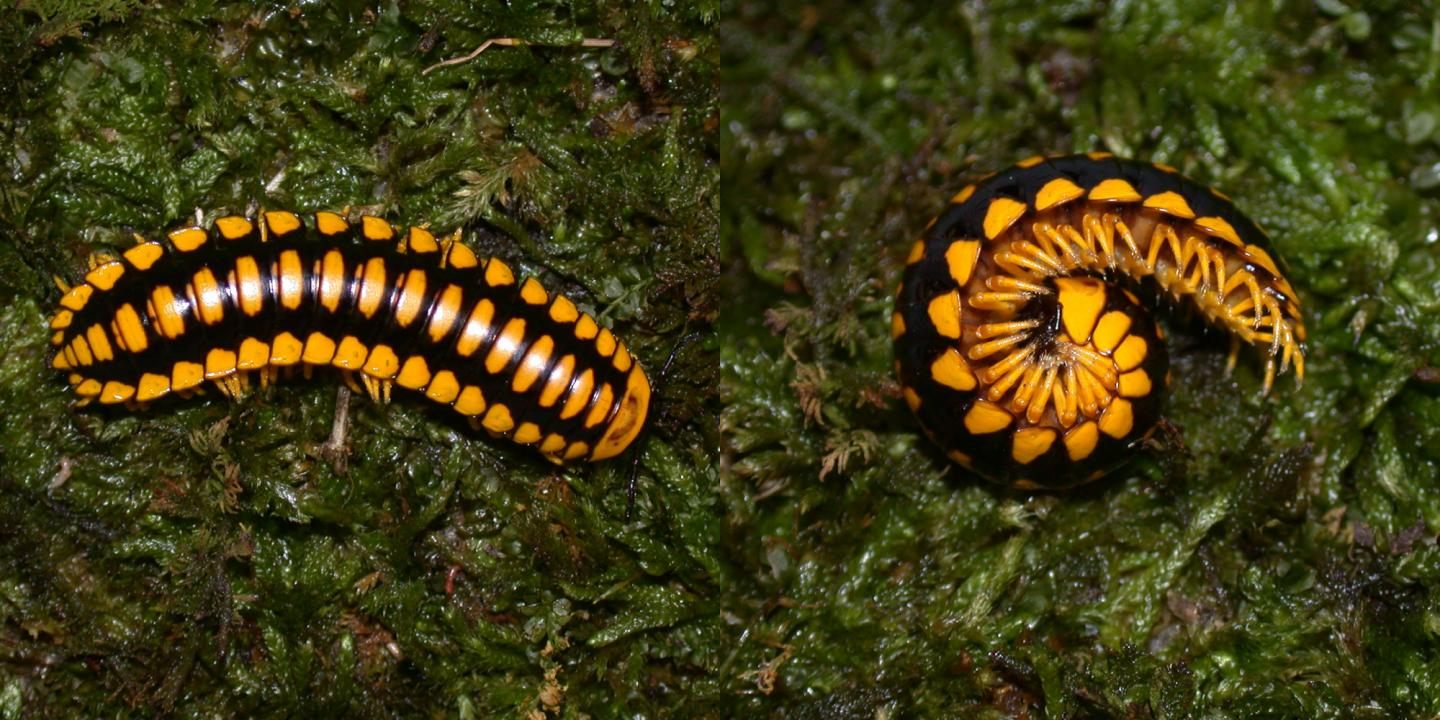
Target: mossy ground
{"points": [[1280, 560], [200, 558]]}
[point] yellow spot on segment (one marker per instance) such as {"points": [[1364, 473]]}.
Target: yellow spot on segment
{"points": [[1081, 300], [951, 370], [605, 343], [1170, 203], [319, 348], [414, 374], [1135, 384], [505, 345], [116, 392], [1031, 443], [535, 361], [152, 386], [234, 227], [61, 320], [601, 409], [1099, 155], [961, 257], [1002, 213], [209, 300], [533, 292], [443, 313], [443, 388], [99, 343], [81, 349], [372, 287], [1111, 330], [421, 240], [104, 276], [1118, 419], [1165, 168], [1258, 255], [185, 375], [1080, 442], [622, 360], [944, 311], [128, 329], [470, 402], [188, 239], [1218, 227], [585, 328], [526, 434], [77, 296], [332, 279], [1114, 190], [477, 328], [498, 273], [553, 443], [248, 286], [629, 418], [219, 362], [328, 223], [383, 363], [917, 253], [412, 296], [350, 354], [579, 395], [144, 256], [986, 417], [286, 349], [498, 420], [562, 310], [374, 228], [60, 361], [281, 222], [912, 399], [461, 256], [1057, 192], [1130, 353], [88, 388], [963, 195], [292, 280], [1030, 162], [897, 325], [557, 381]]}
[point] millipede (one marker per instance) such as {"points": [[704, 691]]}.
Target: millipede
{"points": [[1021, 344], [250, 298]]}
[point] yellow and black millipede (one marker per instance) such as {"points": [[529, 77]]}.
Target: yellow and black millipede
{"points": [[1019, 343], [251, 297]]}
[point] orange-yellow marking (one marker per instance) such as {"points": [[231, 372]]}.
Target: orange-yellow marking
{"points": [[185, 375], [414, 374], [421, 240], [88, 388], [986, 417], [461, 256], [374, 228], [601, 409], [963, 195], [444, 388], [1111, 330], [208, 298], [350, 354], [188, 239], [1258, 255], [104, 276], [1002, 213], [332, 279], [532, 292], [557, 381], [1057, 192], [151, 386], [498, 273], [281, 222], [605, 342], [1118, 419], [254, 354], [219, 362], [1220, 228], [470, 401], [234, 227], [585, 328], [128, 329], [505, 345], [1080, 442], [1171, 203], [372, 287], [76, 297], [319, 348], [477, 328], [498, 419], [116, 392], [1081, 300], [961, 257], [292, 280], [248, 287], [944, 311], [533, 364], [912, 399], [553, 443], [1031, 443], [1114, 190], [443, 313], [412, 295], [1130, 353], [951, 370], [328, 223], [562, 310], [917, 253], [99, 343], [382, 363], [528, 433], [579, 395], [286, 349], [622, 361], [629, 418], [1135, 383], [897, 325], [144, 255]]}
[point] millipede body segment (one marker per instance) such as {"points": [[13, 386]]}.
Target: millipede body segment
{"points": [[250, 297], [1019, 342]]}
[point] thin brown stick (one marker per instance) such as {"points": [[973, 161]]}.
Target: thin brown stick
{"points": [[509, 42]]}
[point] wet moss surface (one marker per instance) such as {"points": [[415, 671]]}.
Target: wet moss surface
{"points": [[205, 558], [1276, 558]]}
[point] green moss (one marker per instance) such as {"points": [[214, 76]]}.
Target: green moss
{"points": [[1277, 562], [207, 558]]}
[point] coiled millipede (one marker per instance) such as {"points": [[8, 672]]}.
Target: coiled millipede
{"points": [[1020, 343], [253, 297]]}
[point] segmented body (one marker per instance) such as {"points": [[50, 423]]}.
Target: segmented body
{"points": [[250, 298], [1018, 341]]}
